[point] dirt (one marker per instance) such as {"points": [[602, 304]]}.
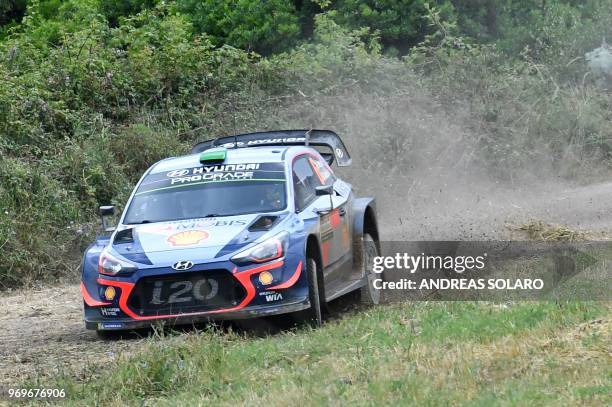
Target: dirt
{"points": [[42, 334]]}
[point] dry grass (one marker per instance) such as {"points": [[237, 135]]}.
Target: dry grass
{"points": [[540, 230]]}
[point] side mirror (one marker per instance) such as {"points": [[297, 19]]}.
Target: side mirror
{"points": [[324, 190], [104, 212]]}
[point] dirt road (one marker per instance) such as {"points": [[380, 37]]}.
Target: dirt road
{"points": [[42, 333]]}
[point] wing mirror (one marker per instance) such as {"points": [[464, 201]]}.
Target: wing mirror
{"points": [[105, 212], [326, 190]]}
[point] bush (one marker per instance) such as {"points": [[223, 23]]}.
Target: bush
{"points": [[335, 56], [264, 27], [534, 114], [400, 23], [113, 10], [84, 109], [11, 13]]}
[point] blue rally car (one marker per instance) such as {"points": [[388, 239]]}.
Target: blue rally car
{"points": [[245, 226]]}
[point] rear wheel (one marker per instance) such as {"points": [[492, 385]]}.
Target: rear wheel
{"points": [[314, 314], [370, 295]]}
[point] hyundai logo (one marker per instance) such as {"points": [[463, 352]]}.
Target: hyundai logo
{"points": [[177, 173], [182, 265]]}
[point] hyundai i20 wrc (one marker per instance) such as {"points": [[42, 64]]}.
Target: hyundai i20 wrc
{"points": [[245, 226]]}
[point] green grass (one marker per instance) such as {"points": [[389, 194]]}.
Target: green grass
{"points": [[412, 353]]}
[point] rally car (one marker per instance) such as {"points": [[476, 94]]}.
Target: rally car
{"points": [[245, 226]]}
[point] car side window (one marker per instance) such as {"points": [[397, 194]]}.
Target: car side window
{"points": [[322, 171], [304, 183]]}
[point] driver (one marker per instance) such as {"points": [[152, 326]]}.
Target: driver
{"points": [[273, 197]]}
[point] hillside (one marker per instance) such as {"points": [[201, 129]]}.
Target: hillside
{"points": [[92, 93]]}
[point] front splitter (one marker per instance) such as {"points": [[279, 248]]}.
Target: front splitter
{"points": [[122, 324]]}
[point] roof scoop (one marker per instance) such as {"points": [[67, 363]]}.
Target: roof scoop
{"points": [[213, 156]]}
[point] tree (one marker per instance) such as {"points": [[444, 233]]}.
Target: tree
{"points": [[399, 22], [114, 9], [12, 11], [262, 26]]}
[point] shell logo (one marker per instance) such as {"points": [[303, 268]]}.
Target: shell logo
{"points": [[266, 278], [187, 238], [110, 293]]}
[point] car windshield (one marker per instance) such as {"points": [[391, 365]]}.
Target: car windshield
{"points": [[211, 191]]}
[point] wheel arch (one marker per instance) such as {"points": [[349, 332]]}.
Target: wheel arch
{"points": [[364, 221], [314, 248]]}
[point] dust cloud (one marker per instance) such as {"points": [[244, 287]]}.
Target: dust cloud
{"points": [[422, 162]]}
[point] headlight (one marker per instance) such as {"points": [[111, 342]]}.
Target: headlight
{"points": [[271, 249], [111, 266]]}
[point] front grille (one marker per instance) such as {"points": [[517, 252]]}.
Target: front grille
{"points": [[179, 293]]}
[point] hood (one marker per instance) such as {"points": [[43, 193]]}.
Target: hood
{"points": [[198, 240]]}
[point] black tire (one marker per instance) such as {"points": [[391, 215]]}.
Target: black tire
{"points": [[368, 294], [314, 314]]}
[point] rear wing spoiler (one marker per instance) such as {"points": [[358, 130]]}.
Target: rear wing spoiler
{"points": [[320, 138]]}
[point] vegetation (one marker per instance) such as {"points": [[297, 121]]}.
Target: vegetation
{"points": [[539, 230], [92, 92], [412, 353]]}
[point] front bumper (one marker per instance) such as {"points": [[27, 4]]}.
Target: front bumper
{"points": [[120, 324], [288, 293]]}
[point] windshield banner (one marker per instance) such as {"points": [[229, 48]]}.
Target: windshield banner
{"points": [[220, 173]]}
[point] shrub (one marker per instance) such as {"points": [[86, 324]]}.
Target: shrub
{"points": [[400, 23], [113, 10], [84, 109], [11, 13], [532, 114], [265, 27]]}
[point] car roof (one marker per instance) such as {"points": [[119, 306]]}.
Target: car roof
{"points": [[269, 154]]}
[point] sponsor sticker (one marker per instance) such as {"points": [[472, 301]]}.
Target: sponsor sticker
{"points": [[274, 297], [194, 224], [109, 312], [110, 293], [177, 173], [187, 238], [224, 172], [281, 140], [220, 173], [110, 325], [266, 278]]}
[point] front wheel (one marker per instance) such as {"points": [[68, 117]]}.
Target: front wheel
{"points": [[314, 314], [369, 294]]}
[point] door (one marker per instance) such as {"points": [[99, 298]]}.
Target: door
{"points": [[309, 172]]}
